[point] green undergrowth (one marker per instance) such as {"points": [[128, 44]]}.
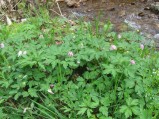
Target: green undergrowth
{"points": [[56, 69]]}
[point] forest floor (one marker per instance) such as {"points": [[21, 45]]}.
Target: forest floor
{"points": [[126, 15]]}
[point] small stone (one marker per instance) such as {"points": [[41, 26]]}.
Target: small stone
{"points": [[147, 8], [72, 23], [23, 20], [143, 0], [141, 14], [111, 9], [154, 7], [72, 3], [157, 25], [122, 13], [60, 0], [89, 10], [156, 36], [133, 3], [84, 3]]}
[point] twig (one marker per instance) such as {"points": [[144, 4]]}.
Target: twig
{"points": [[58, 13], [68, 20], [59, 8]]}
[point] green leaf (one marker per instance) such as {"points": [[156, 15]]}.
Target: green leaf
{"points": [[17, 96], [89, 113], [81, 111], [130, 83], [128, 113], [94, 104], [41, 66], [32, 92], [104, 110], [2, 114], [123, 108], [109, 69], [134, 102], [135, 110], [146, 114], [25, 94]]}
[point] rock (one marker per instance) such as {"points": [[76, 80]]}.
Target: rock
{"points": [[84, 3], [157, 26], [141, 14], [154, 7], [147, 8], [9, 22], [111, 9], [89, 10], [103, 1], [122, 13], [143, 0], [122, 27], [152, 16], [72, 3], [23, 20], [132, 24], [60, 0], [156, 36], [2, 4], [133, 3]]}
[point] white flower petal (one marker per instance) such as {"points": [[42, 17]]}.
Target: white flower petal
{"points": [[20, 53]]}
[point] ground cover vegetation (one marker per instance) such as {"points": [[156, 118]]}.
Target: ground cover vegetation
{"points": [[53, 69]]}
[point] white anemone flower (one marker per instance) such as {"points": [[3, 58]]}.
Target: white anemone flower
{"points": [[20, 53]]}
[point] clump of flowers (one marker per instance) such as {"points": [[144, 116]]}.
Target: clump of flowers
{"points": [[132, 62], [119, 36], [58, 42], [113, 47], [142, 46], [20, 53], [70, 53], [2, 45]]}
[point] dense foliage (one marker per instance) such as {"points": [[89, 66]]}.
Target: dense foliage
{"points": [[51, 69]]}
